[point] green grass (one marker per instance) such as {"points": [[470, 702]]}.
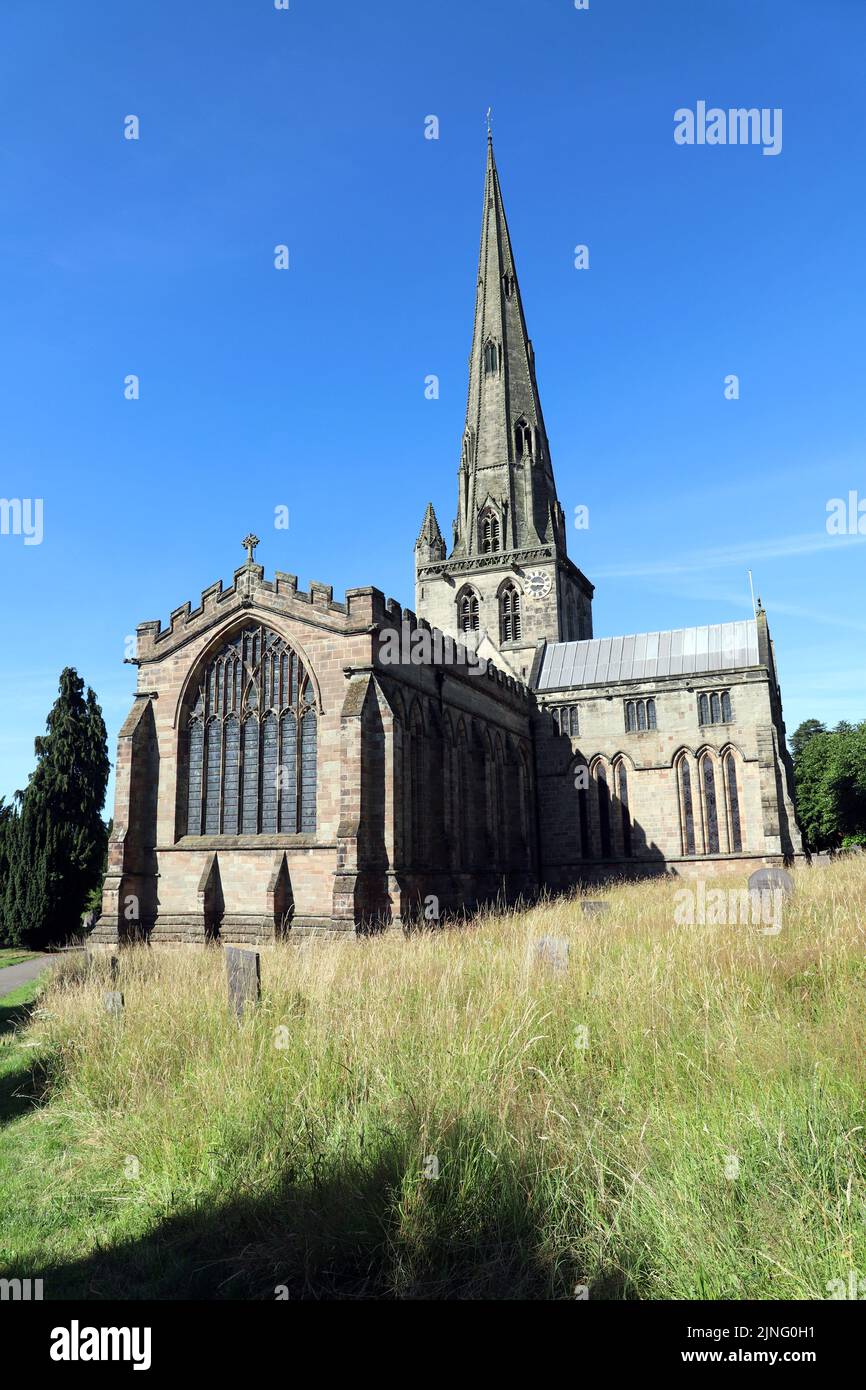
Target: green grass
{"points": [[13, 955], [706, 1143]]}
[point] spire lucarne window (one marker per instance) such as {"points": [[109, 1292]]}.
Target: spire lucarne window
{"points": [[250, 741]]}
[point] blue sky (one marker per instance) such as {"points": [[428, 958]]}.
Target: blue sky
{"points": [[305, 388]]}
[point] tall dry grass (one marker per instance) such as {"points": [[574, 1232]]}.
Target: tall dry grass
{"points": [[706, 1142]]}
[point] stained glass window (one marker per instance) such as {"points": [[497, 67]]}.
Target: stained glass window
{"points": [[604, 812], [244, 772], [734, 803], [688, 809], [711, 807]]}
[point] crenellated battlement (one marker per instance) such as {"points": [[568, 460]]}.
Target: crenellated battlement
{"points": [[248, 583]]}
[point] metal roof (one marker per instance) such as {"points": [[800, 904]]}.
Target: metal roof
{"points": [[684, 650]]}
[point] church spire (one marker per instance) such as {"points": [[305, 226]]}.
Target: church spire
{"points": [[505, 471]]}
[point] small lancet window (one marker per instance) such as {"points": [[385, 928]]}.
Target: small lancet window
{"points": [[469, 613], [489, 537], [522, 439], [509, 614], [491, 357]]}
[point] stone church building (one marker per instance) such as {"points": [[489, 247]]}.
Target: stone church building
{"points": [[295, 763]]}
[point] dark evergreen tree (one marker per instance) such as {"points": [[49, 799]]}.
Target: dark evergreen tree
{"points": [[59, 847], [8, 831]]}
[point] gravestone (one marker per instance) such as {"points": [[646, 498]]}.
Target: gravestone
{"points": [[113, 1001], [594, 907], [553, 951], [243, 970], [771, 880]]}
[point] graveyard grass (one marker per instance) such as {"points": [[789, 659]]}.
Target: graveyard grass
{"points": [[419, 1118]]}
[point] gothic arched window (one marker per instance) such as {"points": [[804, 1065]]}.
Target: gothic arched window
{"points": [[522, 439], [603, 811], [622, 792], [468, 612], [509, 614], [651, 714], [488, 532], [687, 813], [250, 741], [583, 814], [712, 814], [491, 357], [733, 803], [726, 707]]}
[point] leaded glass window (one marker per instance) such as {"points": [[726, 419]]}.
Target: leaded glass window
{"points": [[640, 715], [711, 807], [688, 812], [715, 707], [622, 788], [604, 812], [253, 710], [733, 803]]}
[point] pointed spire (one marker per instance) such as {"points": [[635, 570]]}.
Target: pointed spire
{"points": [[430, 544], [505, 449]]}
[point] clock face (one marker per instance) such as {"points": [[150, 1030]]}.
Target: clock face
{"points": [[538, 583]]}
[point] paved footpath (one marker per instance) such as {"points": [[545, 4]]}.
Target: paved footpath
{"points": [[13, 976]]}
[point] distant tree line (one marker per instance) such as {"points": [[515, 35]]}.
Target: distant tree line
{"points": [[830, 783], [53, 840]]}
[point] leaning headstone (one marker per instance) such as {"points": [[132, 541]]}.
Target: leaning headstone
{"points": [[243, 969], [114, 968], [594, 907], [819, 860], [553, 951], [771, 880], [113, 1001]]}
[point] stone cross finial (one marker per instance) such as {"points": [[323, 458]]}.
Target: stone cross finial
{"points": [[251, 541]]}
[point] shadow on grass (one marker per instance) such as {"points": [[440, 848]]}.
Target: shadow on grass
{"points": [[359, 1233], [24, 1085]]}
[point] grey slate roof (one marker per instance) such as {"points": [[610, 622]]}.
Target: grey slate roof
{"points": [[606, 660]]}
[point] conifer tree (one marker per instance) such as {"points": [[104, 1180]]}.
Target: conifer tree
{"points": [[59, 846]]}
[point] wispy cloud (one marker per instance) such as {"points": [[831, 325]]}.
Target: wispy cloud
{"points": [[727, 556]]}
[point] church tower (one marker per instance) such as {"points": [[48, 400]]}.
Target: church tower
{"points": [[508, 581]]}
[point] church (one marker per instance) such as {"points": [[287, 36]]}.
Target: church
{"points": [[296, 764]]}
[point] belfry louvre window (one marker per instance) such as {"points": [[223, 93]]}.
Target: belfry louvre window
{"points": [[489, 537], [469, 613], [509, 614], [640, 715], [714, 707], [251, 741]]}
